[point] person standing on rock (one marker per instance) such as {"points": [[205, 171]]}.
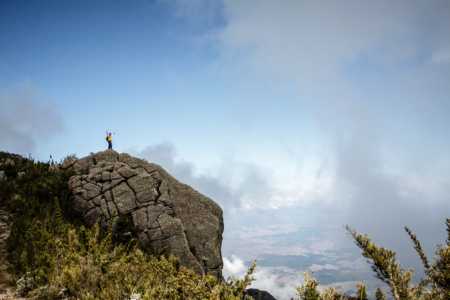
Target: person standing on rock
{"points": [[109, 139]]}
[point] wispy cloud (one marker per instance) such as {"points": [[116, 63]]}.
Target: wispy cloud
{"points": [[310, 40], [27, 119], [315, 267]]}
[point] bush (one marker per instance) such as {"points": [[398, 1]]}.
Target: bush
{"points": [[388, 269], [31, 200]]}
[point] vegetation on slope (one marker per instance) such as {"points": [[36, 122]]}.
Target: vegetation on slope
{"points": [[54, 254]]}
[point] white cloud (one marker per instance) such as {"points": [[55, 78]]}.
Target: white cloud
{"points": [[315, 267], [234, 266], [326, 244], [266, 280], [358, 264], [310, 40]]}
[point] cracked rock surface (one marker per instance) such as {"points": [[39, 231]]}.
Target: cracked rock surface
{"points": [[167, 212]]}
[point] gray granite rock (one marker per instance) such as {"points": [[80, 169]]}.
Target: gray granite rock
{"points": [[156, 234], [126, 172], [140, 218], [153, 213], [94, 215], [145, 241], [106, 156], [114, 175], [167, 212], [105, 175], [97, 200], [124, 198], [68, 162], [83, 164], [146, 196], [92, 190], [54, 168], [170, 226], [112, 207], [108, 196], [141, 182], [115, 182], [104, 208], [259, 295], [82, 205], [74, 182]]}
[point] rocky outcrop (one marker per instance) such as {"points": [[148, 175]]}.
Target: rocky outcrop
{"points": [[166, 212], [3, 176], [11, 159], [259, 295], [53, 168]]}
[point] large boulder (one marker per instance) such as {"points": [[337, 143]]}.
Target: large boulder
{"points": [[166, 212]]}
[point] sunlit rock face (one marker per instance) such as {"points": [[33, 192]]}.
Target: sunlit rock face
{"points": [[166, 212]]}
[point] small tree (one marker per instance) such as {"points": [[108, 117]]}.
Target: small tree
{"points": [[379, 295], [308, 291], [361, 293], [330, 293], [388, 269]]}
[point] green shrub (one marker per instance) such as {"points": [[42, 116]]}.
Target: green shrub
{"points": [[80, 265], [31, 200], [388, 269]]}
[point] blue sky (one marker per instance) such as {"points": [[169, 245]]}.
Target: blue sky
{"points": [[298, 112]]}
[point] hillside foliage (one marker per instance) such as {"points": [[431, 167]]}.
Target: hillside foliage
{"points": [[54, 254]]}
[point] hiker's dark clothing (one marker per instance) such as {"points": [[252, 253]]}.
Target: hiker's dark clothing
{"points": [[109, 140]]}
